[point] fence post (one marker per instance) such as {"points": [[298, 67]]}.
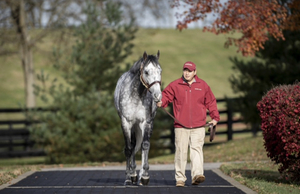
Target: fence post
{"points": [[254, 128], [229, 120], [10, 146], [26, 139], [173, 140]]}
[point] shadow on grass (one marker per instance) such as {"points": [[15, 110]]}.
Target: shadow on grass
{"points": [[264, 175]]}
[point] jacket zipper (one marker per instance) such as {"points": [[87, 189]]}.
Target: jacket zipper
{"points": [[190, 105]]}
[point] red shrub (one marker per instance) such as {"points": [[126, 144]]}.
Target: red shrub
{"points": [[280, 115]]}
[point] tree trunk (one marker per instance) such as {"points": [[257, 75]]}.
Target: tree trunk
{"points": [[28, 70], [26, 57]]}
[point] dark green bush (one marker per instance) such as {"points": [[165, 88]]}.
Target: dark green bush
{"points": [[84, 128]]}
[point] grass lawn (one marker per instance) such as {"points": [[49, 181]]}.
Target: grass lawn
{"points": [[205, 49], [262, 177]]}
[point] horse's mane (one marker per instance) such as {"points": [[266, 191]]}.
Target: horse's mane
{"points": [[137, 65]]}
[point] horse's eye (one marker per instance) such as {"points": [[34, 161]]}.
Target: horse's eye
{"points": [[146, 72]]}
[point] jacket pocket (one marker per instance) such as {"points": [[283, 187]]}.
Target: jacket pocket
{"points": [[177, 109], [202, 113], [178, 106]]}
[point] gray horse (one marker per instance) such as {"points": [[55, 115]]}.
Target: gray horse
{"points": [[136, 94]]}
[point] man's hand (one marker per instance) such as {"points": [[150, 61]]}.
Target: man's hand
{"points": [[214, 122], [158, 104]]}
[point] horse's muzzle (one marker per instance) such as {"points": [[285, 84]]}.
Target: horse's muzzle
{"points": [[157, 97]]}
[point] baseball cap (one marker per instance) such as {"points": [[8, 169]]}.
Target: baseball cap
{"points": [[189, 65]]}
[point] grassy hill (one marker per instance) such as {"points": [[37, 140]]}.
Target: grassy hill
{"points": [[205, 49]]}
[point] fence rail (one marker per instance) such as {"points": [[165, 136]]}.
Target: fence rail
{"points": [[15, 136]]}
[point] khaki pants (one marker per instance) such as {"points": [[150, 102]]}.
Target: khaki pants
{"points": [[184, 138]]}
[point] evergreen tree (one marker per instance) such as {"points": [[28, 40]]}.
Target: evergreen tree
{"points": [[85, 125], [277, 64], [102, 44]]}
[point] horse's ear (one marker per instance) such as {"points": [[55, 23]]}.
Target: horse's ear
{"points": [[145, 55], [157, 55]]}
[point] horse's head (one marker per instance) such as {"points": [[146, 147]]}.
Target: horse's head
{"points": [[151, 75]]}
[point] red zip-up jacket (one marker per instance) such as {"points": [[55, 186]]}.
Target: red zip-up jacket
{"points": [[190, 102]]}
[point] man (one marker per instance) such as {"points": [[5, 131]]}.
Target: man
{"points": [[191, 97]]}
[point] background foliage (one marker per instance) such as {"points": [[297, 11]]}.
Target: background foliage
{"points": [[102, 43], [175, 48], [85, 126], [256, 20], [278, 63]]}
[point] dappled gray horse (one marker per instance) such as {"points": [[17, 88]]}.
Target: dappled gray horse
{"points": [[136, 94]]}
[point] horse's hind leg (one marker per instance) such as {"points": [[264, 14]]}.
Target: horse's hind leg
{"points": [[144, 175]]}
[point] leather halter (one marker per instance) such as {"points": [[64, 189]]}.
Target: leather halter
{"points": [[148, 86]]}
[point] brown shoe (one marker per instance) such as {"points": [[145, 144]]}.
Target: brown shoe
{"points": [[198, 179], [180, 184]]}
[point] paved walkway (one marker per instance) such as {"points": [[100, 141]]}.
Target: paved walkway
{"points": [[110, 179]]}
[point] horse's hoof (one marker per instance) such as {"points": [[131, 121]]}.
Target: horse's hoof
{"points": [[145, 180], [134, 180], [127, 182]]}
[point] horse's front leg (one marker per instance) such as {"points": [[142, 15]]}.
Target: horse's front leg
{"points": [[144, 172], [133, 175], [129, 153]]}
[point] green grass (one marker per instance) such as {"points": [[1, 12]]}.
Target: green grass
{"points": [[262, 177], [22, 161], [205, 49], [241, 149]]}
